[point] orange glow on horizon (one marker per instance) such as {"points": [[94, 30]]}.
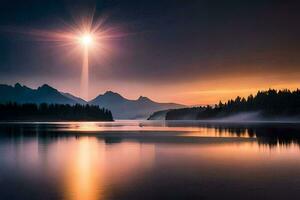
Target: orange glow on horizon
{"points": [[223, 89]]}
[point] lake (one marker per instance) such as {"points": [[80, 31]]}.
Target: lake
{"points": [[149, 160]]}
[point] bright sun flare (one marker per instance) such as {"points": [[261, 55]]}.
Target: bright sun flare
{"points": [[86, 39], [87, 36]]}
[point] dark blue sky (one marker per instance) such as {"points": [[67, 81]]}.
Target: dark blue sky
{"points": [[176, 50]]}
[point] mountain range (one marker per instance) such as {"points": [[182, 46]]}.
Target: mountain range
{"points": [[120, 107]]}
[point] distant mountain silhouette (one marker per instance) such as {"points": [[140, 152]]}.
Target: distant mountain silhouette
{"points": [[43, 94], [123, 108], [120, 107], [76, 99]]}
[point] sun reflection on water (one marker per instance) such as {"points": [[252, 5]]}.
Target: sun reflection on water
{"points": [[82, 176], [91, 167]]}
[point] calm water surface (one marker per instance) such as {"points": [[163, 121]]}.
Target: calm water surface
{"points": [[149, 160]]}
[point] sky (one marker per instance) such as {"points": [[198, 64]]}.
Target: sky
{"points": [[192, 52]]}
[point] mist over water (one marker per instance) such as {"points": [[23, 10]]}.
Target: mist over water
{"points": [[242, 117], [149, 160], [257, 116]]}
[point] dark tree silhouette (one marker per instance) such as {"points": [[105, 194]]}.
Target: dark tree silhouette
{"points": [[14, 111], [270, 104]]}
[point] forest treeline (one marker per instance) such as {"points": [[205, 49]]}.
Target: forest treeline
{"points": [[28, 111], [269, 104]]}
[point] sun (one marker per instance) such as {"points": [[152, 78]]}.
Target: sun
{"points": [[87, 36], [86, 40]]}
